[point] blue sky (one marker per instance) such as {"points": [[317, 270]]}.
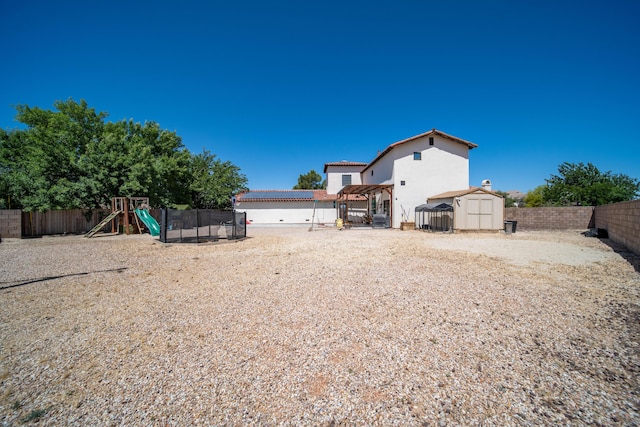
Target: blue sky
{"points": [[282, 87]]}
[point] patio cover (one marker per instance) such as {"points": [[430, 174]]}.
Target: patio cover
{"points": [[364, 190]]}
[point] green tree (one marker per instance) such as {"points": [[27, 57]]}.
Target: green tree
{"points": [[214, 182], [71, 158], [15, 182], [132, 159], [580, 184], [310, 181], [44, 171], [509, 201], [157, 165], [535, 198]]}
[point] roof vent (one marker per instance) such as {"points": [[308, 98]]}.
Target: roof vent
{"points": [[486, 184]]}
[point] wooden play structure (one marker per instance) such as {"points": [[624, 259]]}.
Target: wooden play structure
{"points": [[123, 216]]}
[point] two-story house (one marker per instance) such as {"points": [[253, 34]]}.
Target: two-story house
{"points": [[397, 180]]}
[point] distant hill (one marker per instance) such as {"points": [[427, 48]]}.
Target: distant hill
{"points": [[516, 194]]}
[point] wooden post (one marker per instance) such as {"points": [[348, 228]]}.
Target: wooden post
{"points": [[125, 202], [113, 209]]}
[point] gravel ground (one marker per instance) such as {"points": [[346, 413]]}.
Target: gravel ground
{"points": [[291, 327]]}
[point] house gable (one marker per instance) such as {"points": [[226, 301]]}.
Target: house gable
{"points": [[432, 133]]}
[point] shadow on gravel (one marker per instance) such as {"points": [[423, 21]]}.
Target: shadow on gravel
{"points": [[631, 257], [602, 235], [44, 279]]}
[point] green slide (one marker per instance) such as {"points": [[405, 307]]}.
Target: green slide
{"points": [[149, 221]]}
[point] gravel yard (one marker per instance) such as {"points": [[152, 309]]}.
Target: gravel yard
{"points": [[291, 327]]}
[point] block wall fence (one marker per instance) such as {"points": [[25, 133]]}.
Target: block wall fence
{"points": [[11, 223], [622, 222], [552, 218]]}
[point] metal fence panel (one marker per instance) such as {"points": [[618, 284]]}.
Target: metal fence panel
{"points": [[201, 225]]}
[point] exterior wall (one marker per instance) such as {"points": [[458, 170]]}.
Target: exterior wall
{"points": [[443, 166], [334, 177], [622, 222], [10, 223], [380, 173], [288, 212], [552, 218]]}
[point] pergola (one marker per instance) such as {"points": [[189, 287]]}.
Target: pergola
{"points": [[365, 190]]}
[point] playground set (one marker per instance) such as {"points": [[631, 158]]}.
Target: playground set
{"points": [[127, 215], [130, 215]]}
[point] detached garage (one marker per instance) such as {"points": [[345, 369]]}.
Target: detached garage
{"points": [[474, 208], [287, 207]]}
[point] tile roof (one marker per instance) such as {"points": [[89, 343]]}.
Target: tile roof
{"points": [[343, 163]]}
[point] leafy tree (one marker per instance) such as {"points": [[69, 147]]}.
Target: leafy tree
{"points": [[71, 158], [535, 197], [214, 182], [310, 181], [580, 184], [14, 180], [509, 201], [43, 170], [131, 159], [158, 165]]}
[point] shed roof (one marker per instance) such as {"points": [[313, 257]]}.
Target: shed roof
{"points": [[460, 193]]}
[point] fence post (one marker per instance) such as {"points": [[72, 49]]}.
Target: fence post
{"points": [[163, 225]]}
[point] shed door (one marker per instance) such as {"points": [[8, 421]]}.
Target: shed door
{"points": [[480, 214]]}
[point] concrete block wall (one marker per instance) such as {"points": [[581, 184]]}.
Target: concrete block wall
{"points": [[552, 218], [622, 222], [11, 223]]}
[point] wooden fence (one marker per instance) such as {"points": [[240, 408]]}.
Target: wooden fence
{"points": [[68, 221]]}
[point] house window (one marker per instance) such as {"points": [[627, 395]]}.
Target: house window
{"points": [[430, 140], [417, 155], [346, 179], [402, 183], [371, 172]]}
